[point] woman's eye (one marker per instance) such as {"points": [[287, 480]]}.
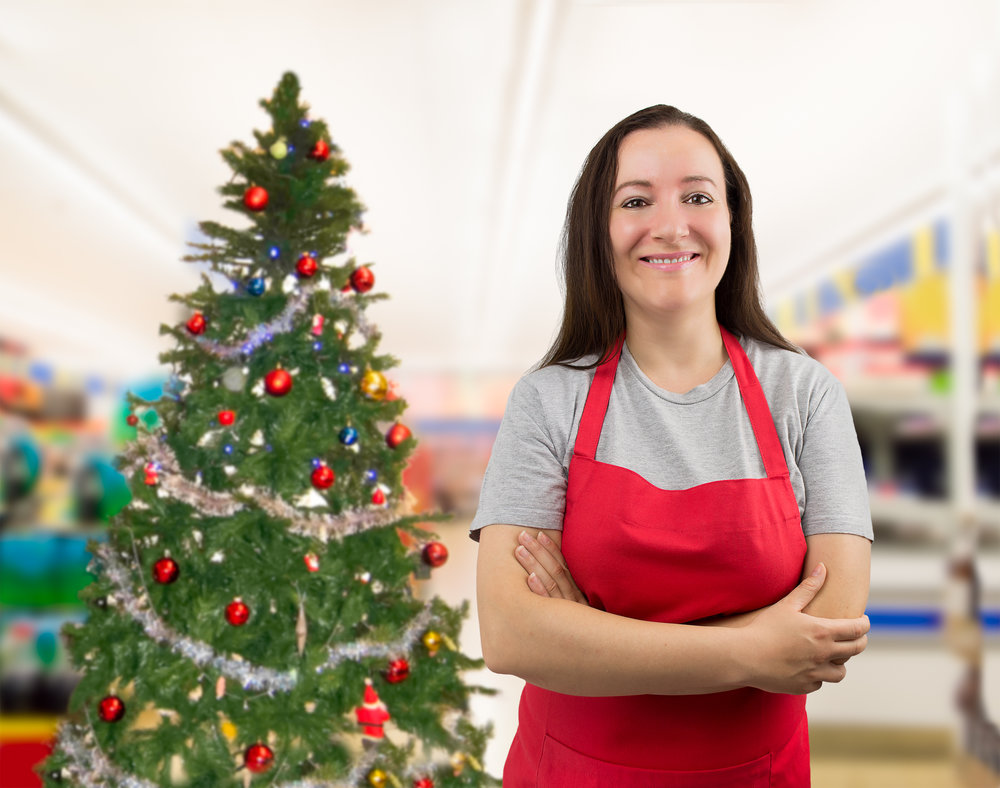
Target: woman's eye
{"points": [[633, 202], [699, 199]]}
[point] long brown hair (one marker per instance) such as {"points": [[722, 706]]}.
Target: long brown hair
{"points": [[594, 313]]}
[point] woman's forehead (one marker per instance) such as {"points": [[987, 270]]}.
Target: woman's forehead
{"points": [[669, 151]]}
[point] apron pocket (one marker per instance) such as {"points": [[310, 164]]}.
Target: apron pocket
{"points": [[563, 766]]}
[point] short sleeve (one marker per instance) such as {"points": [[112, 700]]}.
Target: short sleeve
{"points": [[525, 480], [836, 492]]}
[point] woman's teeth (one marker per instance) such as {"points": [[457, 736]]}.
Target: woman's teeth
{"points": [[668, 260]]}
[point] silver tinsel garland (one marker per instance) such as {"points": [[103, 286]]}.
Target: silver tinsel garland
{"points": [[248, 675], [141, 610], [90, 767], [284, 323], [173, 483]]}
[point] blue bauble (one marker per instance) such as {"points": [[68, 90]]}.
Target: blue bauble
{"points": [[371, 476], [348, 436], [256, 286], [344, 368]]}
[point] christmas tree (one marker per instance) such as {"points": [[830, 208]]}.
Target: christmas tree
{"points": [[256, 618]]}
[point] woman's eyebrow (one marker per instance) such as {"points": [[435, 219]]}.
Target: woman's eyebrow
{"points": [[685, 179]]}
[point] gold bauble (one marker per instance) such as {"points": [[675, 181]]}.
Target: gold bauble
{"points": [[377, 778], [433, 641], [280, 149], [374, 385]]}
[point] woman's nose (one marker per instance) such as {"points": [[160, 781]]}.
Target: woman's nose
{"points": [[670, 223]]}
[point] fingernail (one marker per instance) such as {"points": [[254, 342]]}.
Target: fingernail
{"points": [[817, 570], [542, 537], [523, 537], [521, 551]]}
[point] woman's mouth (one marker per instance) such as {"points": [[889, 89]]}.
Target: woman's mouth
{"points": [[670, 261]]}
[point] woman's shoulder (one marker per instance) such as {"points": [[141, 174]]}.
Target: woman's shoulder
{"points": [[788, 369], [558, 378]]}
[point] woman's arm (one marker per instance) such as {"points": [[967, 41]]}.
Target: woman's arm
{"points": [[571, 648]]}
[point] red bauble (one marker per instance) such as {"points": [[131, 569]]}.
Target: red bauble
{"points": [[196, 325], [378, 497], [398, 670], [312, 562], [362, 280], [306, 266], [423, 782], [255, 198], [237, 612], [323, 477], [112, 709], [258, 758], [320, 151], [435, 554], [226, 417], [278, 382], [131, 419], [397, 435], [166, 571]]}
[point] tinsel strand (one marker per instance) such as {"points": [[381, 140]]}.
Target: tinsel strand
{"points": [[283, 324], [219, 504], [140, 609], [248, 675], [90, 767]]}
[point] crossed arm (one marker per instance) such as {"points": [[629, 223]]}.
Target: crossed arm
{"points": [[543, 631]]}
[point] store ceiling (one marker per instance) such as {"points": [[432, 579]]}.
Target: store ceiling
{"points": [[465, 123]]}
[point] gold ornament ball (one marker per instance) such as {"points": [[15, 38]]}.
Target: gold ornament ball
{"points": [[377, 778], [432, 640], [279, 150], [374, 385]]}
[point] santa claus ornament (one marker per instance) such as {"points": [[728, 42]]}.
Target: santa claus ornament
{"points": [[372, 714]]}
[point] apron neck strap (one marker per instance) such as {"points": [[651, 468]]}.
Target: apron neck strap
{"points": [[589, 433], [596, 407], [757, 408]]}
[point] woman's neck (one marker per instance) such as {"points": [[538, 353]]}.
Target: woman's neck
{"points": [[678, 353]]}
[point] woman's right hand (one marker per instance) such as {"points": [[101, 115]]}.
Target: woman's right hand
{"points": [[795, 653], [541, 557]]}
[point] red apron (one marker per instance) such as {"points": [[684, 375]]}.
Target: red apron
{"points": [[676, 556]]}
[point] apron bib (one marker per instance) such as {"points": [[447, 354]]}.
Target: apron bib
{"points": [[672, 556]]}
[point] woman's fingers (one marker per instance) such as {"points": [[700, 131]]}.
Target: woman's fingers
{"points": [[546, 568]]}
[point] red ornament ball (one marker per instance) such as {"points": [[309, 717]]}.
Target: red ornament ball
{"points": [[397, 434], [398, 670], [423, 782], [226, 417], [435, 554], [320, 151], [112, 709], [166, 571], [131, 419], [237, 612], [306, 266], [196, 325], [255, 198], [323, 477], [362, 280], [378, 497], [258, 758], [278, 382], [312, 562]]}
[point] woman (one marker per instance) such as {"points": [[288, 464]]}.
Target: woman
{"points": [[696, 542]]}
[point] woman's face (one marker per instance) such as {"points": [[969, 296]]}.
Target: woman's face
{"points": [[669, 223]]}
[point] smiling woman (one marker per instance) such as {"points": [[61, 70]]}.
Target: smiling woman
{"points": [[674, 528]]}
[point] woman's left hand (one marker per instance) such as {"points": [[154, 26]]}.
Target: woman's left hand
{"points": [[543, 560]]}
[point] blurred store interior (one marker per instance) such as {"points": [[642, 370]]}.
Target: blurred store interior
{"points": [[870, 134]]}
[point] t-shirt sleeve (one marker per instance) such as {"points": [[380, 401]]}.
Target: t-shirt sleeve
{"points": [[836, 493], [525, 480]]}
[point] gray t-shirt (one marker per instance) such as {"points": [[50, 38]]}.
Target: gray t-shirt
{"points": [[677, 441]]}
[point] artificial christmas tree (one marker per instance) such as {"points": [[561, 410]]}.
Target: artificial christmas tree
{"points": [[255, 619]]}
